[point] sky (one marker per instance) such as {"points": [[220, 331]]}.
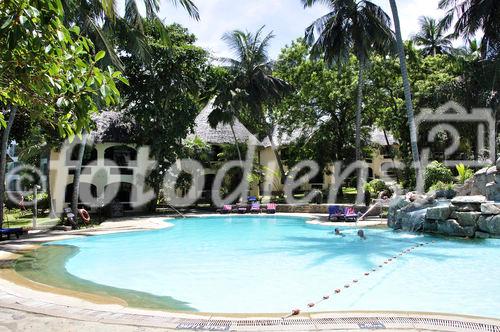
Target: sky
{"points": [[287, 19]]}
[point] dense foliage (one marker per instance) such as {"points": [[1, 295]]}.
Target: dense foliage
{"points": [[49, 72], [437, 172], [164, 97]]}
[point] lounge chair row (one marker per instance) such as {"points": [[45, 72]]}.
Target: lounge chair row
{"points": [[253, 208], [337, 213]]}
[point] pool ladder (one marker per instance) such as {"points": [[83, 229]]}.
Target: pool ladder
{"points": [[178, 212]]}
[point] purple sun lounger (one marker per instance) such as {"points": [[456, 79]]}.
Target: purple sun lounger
{"points": [[255, 208]]}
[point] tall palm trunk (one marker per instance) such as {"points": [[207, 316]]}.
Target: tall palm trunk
{"points": [[407, 90], [277, 156], [359, 106], [236, 142], [3, 160], [78, 173]]}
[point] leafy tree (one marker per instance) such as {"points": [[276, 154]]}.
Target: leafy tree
{"points": [[164, 97], [48, 71], [432, 37], [101, 23], [252, 90], [353, 26], [435, 81], [322, 112]]}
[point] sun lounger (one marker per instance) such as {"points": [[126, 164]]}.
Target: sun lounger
{"points": [[271, 208], [226, 209], [335, 213], [11, 231], [241, 208], [350, 214], [255, 208]]}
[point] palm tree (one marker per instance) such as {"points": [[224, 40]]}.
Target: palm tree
{"points": [[99, 21], [407, 90], [351, 26], [432, 37], [252, 89], [226, 107], [471, 16]]}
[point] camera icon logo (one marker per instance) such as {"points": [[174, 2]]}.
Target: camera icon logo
{"points": [[457, 136]]}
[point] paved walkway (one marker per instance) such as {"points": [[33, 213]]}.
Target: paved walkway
{"points": [[45, 309]]}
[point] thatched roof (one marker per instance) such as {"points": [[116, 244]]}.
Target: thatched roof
{"points": [[222, 134], [378, 137], [282, 137], [112, 127]]}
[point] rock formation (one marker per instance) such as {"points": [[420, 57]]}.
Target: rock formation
{"points": [[475, 213]]}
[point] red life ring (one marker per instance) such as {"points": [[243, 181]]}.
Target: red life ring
{"points": [[84, 215]]}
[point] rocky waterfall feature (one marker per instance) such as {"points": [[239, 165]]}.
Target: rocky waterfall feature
{"points": [[475, 212]]}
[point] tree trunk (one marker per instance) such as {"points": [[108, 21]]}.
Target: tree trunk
{"points": [[392, 155], [236, 142], [406, 86], [76, 177], [359, 107], [52, 212], [3, 160], [277, 156]]}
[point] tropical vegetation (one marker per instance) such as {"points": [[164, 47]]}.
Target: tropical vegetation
{"points": [[348, 73]]}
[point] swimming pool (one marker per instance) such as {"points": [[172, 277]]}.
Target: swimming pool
{"points": [[264, 264]]}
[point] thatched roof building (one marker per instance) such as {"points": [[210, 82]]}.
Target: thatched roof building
{"points": [[113, 127]]}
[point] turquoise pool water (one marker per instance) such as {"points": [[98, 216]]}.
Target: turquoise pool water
{"points": [[261, 264]]}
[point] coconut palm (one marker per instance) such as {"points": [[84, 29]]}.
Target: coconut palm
{"points": [[351, 26], [99, 20], [432, 37], [252, 89], [226, 107], [407, 90], [472, 16]]}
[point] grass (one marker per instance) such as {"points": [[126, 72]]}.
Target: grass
{"points": [[17, 218], [350, 191]]}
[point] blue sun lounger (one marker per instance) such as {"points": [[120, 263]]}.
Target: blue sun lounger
{"points": [[335, 213], [11, 231]]}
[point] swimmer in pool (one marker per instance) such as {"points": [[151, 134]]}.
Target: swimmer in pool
{"points": [[337, 232], [361, 234]]}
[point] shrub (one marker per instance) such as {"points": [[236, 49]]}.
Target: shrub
{"points": [[438, 186], [376, 186], [437, 172], [42, 200], [464, 173]]}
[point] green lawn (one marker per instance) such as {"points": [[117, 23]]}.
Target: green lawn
{"points": [[16, 218]]}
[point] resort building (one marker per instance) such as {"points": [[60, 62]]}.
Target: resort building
{"points": [[113, 160]]}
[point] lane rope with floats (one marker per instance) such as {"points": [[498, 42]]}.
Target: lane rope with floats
{"points": [[297, 311]]}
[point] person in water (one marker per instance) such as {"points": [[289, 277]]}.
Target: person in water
{"points": [[337, 232], [361, 234]]}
